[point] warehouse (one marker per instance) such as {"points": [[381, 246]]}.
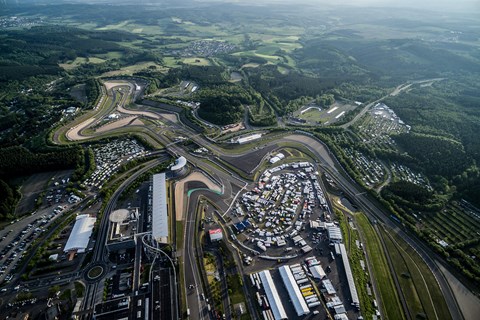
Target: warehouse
{"points": [[272, 295], [293, 291], [80, 235], [159, 209], [348, 271]]}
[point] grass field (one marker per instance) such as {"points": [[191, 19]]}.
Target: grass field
{"points": [[355, 254], [197, 61], [80, 60], [407, 282], [423, 295], [391, 307], [134, 68]]}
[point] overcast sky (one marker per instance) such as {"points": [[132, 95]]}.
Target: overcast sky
{"points": [[455, 5]]}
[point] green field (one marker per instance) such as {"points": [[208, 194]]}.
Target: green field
{"points": [[80, 60], [419, 286], [391, 307]]}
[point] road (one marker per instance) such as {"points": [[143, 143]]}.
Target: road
{"points": [[226, 179], [375, 211], [396, 91], [100, 253]]}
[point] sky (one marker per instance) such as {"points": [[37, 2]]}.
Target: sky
{"points": [[470, 6], [441, 5]]}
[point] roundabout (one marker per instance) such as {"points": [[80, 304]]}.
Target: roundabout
{"points": [[94, 273]]}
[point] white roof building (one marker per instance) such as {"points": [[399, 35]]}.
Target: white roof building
{"points": [[159, 209], [179, 164], [294, 291], [272, 295], [249, 138], [80, 235], [318, 272], [348, 271], [334, 234]]}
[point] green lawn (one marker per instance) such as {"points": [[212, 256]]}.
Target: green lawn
{"points": [[407, 282]]}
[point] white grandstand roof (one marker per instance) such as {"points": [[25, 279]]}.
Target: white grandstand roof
{"points": [[272, 295], [249, 138], [348, 271], [159, 209], [179, 164], [293, 291], [81, 232]]}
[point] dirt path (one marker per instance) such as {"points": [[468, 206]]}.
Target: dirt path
{"points": [[180, 191]]}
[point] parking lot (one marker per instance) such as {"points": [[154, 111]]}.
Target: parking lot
{"points": [[283, 220], [109, 158]]}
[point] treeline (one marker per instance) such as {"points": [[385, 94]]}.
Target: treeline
{"points": [[438, 156], [279, 89], [93, 90], [203, 75], [84, 167], [409, 195], [8, 199], [223, 104], [19, 161]]}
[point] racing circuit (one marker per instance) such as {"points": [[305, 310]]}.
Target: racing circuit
{"points": [[149, 124]]}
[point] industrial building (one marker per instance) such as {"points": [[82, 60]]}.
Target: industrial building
{"points": [[80, 235], [272, 295], [159, 209], [294, 291], [348, 271]]}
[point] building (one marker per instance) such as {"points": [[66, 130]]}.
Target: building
{"points": [[249, 138], [348, 271], [317, 272], [215, 235], [272, 295], [334, 234], [294, 291], [113, 309], [279, 156], [80, 235], [123, 225], [159, 209], [179, 164]]}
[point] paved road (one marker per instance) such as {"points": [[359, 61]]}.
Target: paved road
{"points": [[396, 91], [375, 211]]}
